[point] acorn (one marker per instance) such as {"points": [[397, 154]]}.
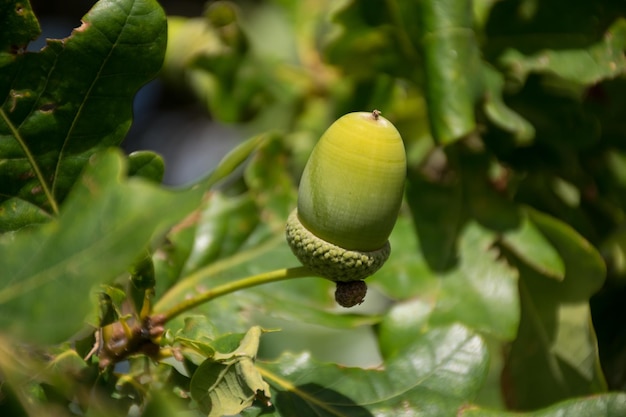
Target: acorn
{"points": [[349, 197]]}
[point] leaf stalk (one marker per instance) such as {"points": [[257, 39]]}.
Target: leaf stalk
{"points": [[31, 160], [248, 282]]}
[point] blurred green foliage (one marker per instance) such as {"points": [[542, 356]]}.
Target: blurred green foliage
{"points": [[504, 291]]}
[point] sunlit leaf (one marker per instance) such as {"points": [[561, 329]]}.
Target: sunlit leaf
{"points": [[195, 241], [452, 67], [146, 164], [529, 244], [480, 291], [508, 110], [105, 224], [555, 355], [606, 405], [499, 113], [270, 182], [367, 42], [433, 376], [307, 299], [230, 382], [69, 100], [221, 229], [604, 60]]}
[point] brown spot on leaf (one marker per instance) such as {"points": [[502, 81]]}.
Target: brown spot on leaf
{"points": [[47, 107], [15, 96], [83, 27], [18, 49], [91, 184], [26, 175]]}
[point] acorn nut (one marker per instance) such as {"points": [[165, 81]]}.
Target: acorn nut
{"points": [[349, 197]]}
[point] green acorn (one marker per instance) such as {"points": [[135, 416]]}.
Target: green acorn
{"points": [[349, 197]]}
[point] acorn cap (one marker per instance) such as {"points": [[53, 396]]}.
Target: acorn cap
{"points": [[329, 260]]}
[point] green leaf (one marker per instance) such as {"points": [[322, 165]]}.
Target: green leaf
{"points": [[187, 248], [230, 382], [16, 214], [197, 336], [368, 41], [162, 403], [234, 159], [147, 165], [437, 210], [452, 67], [19, 26], [198, 328], [406, 273], [23, 394], [532, 247], [71, 99], [226, 240], [433, 376], [499, 113], [491, 208], [211, 57], [400, 325], [305, 299], [143, 281], [555, 355], [480, 291], [105, 224], [60, 369], [606, 405], [585, 270], [221, 229], [601, 61], [271, 185]]}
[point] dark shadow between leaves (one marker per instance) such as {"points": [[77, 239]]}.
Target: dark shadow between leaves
{"points": [[314, 400], [436, 209], [452, 187]]}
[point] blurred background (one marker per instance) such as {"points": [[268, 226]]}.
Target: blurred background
{"points": [[167, 121], [171, 120], [548, 127]]}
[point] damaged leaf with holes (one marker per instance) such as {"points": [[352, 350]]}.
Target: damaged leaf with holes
{"points": [[65, 102], [229, 382]]}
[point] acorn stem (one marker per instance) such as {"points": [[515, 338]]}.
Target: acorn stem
{"points": [[230, 287]]}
